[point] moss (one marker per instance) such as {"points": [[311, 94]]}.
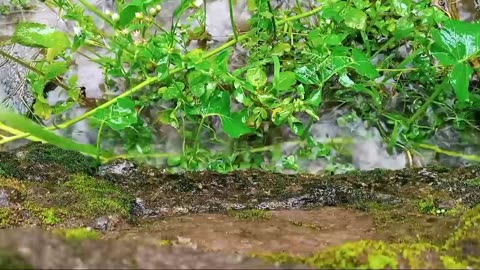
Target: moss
{"points": [[10, 260], [87, 196], [165, 242], [5, 217], [251, 214], [78, 234], [474, 182], [427, 206], [8, 165], [51, 216], [372, 254], [47, 215], [465, 240], [13, 184], [73, 162]]}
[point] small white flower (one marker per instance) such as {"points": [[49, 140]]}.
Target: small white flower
{"points": [[115, 17], [198, 3], [108, 12], [158, 8], [77, 30], [152, 11], [139, 15]]}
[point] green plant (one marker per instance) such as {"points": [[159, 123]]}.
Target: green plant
{"points": [[300, 63]]}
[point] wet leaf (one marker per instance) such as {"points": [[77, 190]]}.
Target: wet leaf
{"points": [[355, 18], [363, 65], [284, 81], [457, 41], [307, 75], [119, 116], [256, 76], [235, 124], [40, 36], [460, 79]]}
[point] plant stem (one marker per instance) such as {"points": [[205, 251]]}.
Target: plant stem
{"points": [[97, 12]]}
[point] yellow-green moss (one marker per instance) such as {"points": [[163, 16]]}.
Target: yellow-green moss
{"points": [[465, 241], [372, 255], [47, 215], [13, 184], [87, 196], [250, 214], [78, 234], [165, 242], [5, 217]]}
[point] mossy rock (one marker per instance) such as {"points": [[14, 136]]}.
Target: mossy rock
{"points": [[88, 196], [44, 163]]}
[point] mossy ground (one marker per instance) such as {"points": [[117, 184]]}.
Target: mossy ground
{"points": [[78, 234], [415, 211], [461, 250]]}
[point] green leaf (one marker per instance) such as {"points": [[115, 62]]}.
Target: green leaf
{"points": [[42, 109], [217, 103], [307, 75], [127, 14], [457, 39], [355, 18], [460, 79], [40, 36], [363, 65], [402, 7], [173, 91], [315, 98], [119, 116], [256, 76], [284, 81], [55, 69], [234, 124], [39, 133]]}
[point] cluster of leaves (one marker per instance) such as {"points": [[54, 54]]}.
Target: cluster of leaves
{"points": [[300, 62]]}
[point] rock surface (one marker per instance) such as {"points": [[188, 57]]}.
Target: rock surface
{"points": [[125, 215]]}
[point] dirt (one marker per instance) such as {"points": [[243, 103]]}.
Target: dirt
{"points": [[295, 231]]}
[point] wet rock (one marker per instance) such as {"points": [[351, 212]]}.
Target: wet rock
{"points": [[101, 223], [43, 250], [43, 162], [107, 223]]}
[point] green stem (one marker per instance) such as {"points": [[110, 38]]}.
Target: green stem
{"points": [[97, 12], [232, 20], [427, 103], [448, 152]]}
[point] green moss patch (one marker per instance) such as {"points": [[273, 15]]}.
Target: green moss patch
{"points": [[89, 197], [78, 234], [374, 255], [73, 162], [251, 214]]}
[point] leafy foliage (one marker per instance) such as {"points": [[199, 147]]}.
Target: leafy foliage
{"points": [[300, 63]]}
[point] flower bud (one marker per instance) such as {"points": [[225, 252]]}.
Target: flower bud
{"points": [[115, 17]]}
